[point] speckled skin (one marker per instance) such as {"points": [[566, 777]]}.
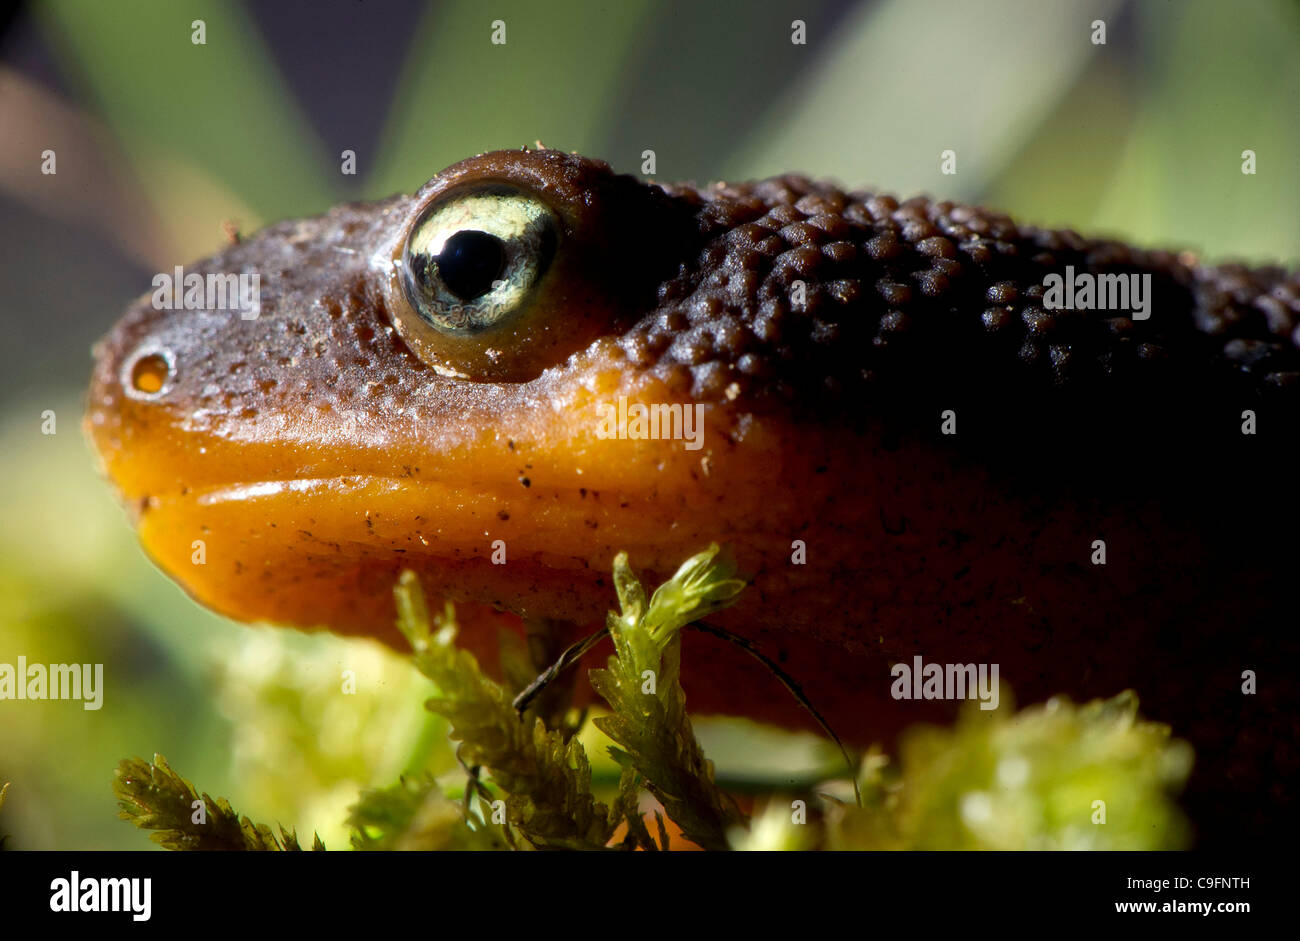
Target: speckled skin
{"points": [[317, 455]]}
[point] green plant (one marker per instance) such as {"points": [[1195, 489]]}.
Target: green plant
{"points": [[154, 797], [1052, 776]]}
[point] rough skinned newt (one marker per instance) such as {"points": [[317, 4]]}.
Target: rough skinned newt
{"points": [[909, 449]]}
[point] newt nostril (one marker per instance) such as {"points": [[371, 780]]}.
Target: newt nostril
{"points": [[148, 373]]}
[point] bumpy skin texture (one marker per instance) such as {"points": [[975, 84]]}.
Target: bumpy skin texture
{"points": [[892, 286], [317, 456]]}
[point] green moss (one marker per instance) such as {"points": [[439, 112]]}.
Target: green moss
{"points": [[547, 779], [642, 685], [154, 797], [1057, 776], [416, 814]]}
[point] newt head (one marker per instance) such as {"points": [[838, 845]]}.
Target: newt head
{"points": [[442, 382], [533, 364]]}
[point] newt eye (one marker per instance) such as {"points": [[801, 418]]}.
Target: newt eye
{"points": [[472, 261], [506, 264]]}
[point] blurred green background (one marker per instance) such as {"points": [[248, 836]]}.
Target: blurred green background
{"points": [[159, 141]]}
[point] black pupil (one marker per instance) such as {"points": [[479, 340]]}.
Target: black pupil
{"points": [[470, 262]]}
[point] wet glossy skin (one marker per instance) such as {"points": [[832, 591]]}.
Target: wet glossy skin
{"points": [[323, 447]]}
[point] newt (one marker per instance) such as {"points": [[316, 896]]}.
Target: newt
{"points": [[909, 446]]}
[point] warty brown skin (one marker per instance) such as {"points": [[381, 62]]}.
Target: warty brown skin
{"points": [[317, 455]]}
